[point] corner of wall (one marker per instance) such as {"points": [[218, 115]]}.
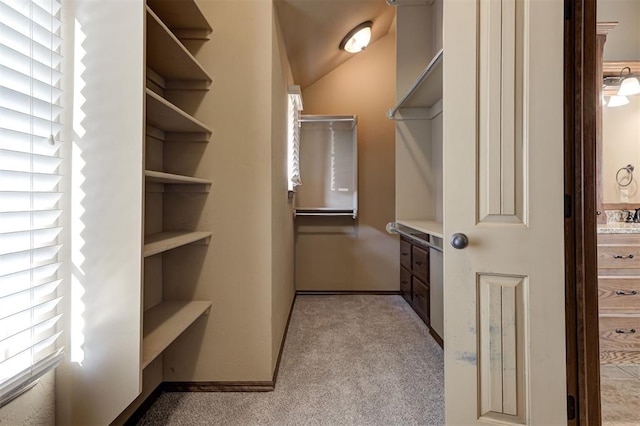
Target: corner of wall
{"points": [[282, 253]]}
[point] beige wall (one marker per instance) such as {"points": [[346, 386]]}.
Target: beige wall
{"points": [[338, 253], [623, 43], [621, 125], [282, 285]]}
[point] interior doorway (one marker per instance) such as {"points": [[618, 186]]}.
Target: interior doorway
{"points": [[618, 207], [602, 131]]}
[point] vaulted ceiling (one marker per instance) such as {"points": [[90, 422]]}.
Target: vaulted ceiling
{"points": [[313, 29]]}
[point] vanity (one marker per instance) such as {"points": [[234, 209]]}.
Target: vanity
{"points": [[619, 291]]}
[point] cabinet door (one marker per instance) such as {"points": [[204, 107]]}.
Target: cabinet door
{"points": [[405, 284], [405, 253], [420, 263], [421, 299]]}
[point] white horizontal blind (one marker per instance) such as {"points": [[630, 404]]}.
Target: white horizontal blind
{"points": [[30, 234], [293, 149]]}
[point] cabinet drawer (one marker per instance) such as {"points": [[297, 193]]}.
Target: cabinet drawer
{"points": [[421, 298], [619, 333], [619, 239], [619, 293], [618, 256], [405, 284], [405, 253], [420, 263]]}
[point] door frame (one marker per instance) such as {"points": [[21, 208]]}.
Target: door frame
{"points": [[581, 283]]}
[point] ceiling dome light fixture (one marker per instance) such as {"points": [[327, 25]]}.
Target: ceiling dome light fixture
{"points": [[357, 39]]}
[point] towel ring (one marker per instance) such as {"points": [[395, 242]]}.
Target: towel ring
{"points": [[629, 169]]}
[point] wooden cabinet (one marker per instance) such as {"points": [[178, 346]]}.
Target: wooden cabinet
{"points": [[405, 284], [420, 263], [421, 299], [619, 296], [415, 278], [405, 254]]}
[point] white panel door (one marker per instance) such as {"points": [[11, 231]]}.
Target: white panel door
{"points": [[503, 172]]}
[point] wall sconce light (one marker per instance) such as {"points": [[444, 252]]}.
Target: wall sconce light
{"points": [[357, 39], [617, 100], [629, 85]]}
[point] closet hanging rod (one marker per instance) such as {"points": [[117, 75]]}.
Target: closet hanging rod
{"points": [[327, 118], [436, 59], [325, 212], [392, 228]]}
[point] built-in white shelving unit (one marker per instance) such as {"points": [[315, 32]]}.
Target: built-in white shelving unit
{"points": [[331, 187], [170, 60], [425, 91], [419, 151], [165, 322], [170, 178], [164, 241], [165, 116], [174, 78], [184, 18], [418, 115]]}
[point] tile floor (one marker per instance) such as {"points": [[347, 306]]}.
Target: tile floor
{"points": [[620, 394]]}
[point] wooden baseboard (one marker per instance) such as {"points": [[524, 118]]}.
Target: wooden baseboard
{"points": [[219, 386], [284, 339], [436, 337], [347, 292]]}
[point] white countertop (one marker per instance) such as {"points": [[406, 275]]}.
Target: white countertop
{"points": [[619, 228], [427, 226]]}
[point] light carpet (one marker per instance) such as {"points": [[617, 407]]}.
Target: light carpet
{"points": [[347, 360]]}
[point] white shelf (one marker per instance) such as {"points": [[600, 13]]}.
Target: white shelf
{"points": [[165, 116], [168, 57], [161, 177], [426, 89], [165, 241], [165, 322], [183, 17], [427, 226]]}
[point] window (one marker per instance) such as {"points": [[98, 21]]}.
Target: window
{"points": [[293, 132], [30, 234]]}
